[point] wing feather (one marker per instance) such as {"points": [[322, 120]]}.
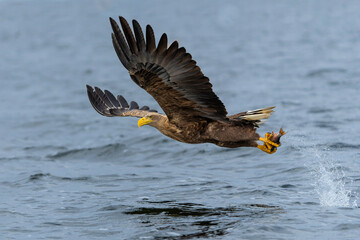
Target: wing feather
{"points": [[128, 35], [119, 37], [121, 55], [145, 108], [139, 36], [112, 99], [150, 40], [162, 46], [133, 105], [122, 101]]}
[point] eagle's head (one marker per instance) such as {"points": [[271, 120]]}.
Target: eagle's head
{"points": [[151, 118]]}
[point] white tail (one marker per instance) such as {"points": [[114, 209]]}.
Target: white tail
{"points": [[258, 114]]}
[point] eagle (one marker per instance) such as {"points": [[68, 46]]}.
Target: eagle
{"points": [[193, 112]]}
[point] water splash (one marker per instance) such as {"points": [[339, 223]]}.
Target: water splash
{"points": [[329, 179], [331, 184]]}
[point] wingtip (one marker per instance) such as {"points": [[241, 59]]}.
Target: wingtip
{"points": [[135, 22], [122, 20], [164, 35], [89, 88], [113, 23], [149, 28]]}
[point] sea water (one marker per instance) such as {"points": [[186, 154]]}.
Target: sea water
{"points": [[68, 173]]}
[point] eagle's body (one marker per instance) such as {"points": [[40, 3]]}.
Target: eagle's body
{"points": [[193, 112], [230, 134]]}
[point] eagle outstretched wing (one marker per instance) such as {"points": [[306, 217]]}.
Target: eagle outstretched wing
{"points": [[168, 74], [105, 103]]}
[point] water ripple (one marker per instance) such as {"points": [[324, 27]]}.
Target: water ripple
{"points": [[320, 72], [108, 150]]}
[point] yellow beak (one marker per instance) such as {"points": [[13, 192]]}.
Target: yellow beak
{"points": [[143, 121]]}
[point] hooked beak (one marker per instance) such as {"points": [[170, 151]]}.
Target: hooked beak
{"points": [[143, 121]]}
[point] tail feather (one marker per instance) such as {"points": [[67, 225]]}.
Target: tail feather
{"points": [[257, 115]]}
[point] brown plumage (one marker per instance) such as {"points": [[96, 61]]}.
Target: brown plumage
{"points": [[193, 112]]}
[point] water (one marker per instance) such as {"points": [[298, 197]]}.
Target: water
{"points": [[330, 182], [68, 173]]}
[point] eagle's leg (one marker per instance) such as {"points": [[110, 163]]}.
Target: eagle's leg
{"points": [[271, 141]]}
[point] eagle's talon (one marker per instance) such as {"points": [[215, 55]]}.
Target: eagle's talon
{"points": [[268, 141], [266, 149], [272, 143], [270, 146], [262, 139]]}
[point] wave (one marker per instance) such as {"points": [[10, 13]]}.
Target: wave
{"points": [[324, 71], [338, 145], [42, 176], [106, 150]]}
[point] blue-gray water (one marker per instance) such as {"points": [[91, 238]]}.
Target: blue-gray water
{"points": [[68, 173]]}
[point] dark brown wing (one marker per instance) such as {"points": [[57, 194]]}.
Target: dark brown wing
{"points": [[167, 73], [107, 105]]}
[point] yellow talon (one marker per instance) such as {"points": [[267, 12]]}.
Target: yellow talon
{"points": [[266, 149], [270, 146], [262, 139], [272, 143], [267, 140]]}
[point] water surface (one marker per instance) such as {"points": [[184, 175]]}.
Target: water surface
{"points": [[68, 173]]}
